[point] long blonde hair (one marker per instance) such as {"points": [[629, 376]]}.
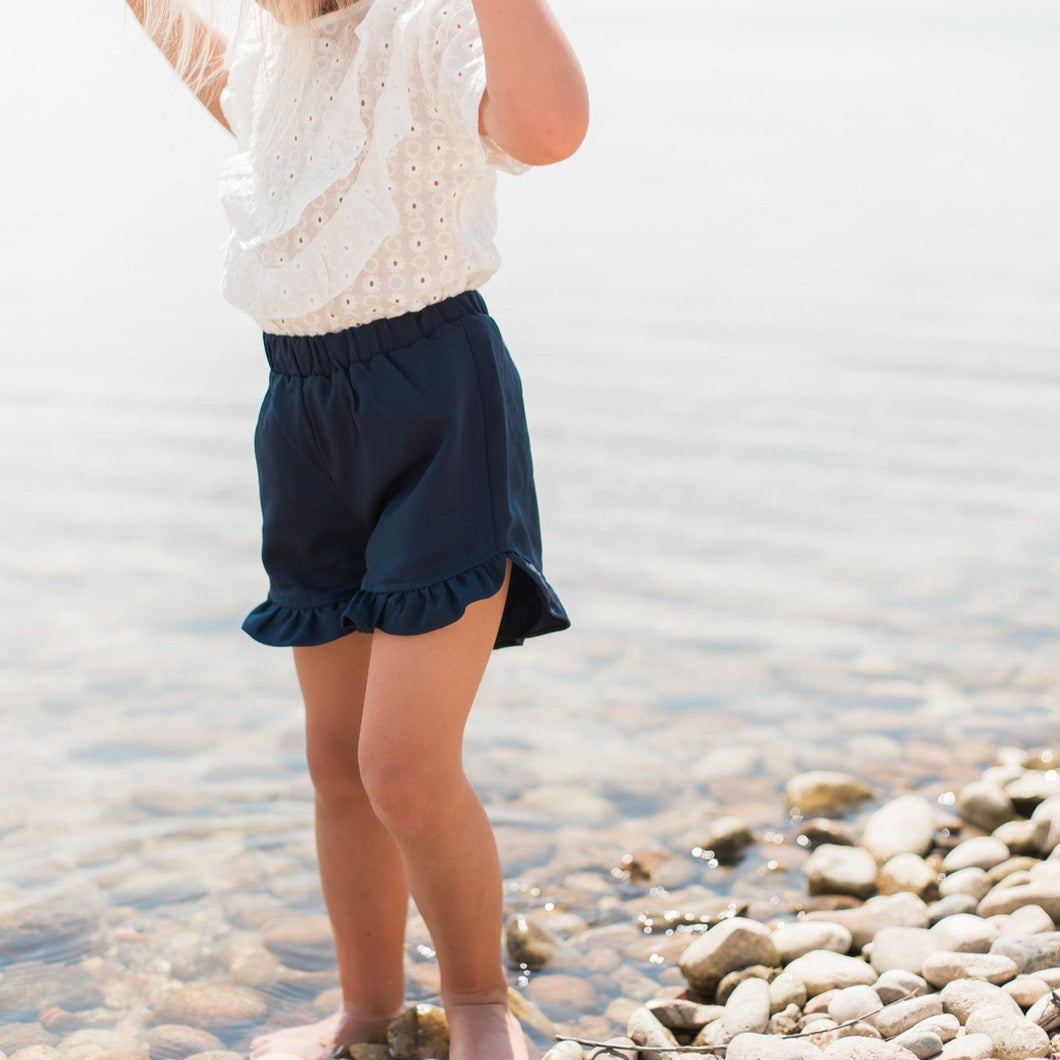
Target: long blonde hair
{"points": [[187, 32]]}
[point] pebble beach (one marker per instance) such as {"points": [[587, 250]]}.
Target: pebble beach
{"points": [[788, 786]]}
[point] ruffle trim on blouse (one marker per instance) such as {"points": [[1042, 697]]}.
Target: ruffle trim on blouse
{"points": [[532, 609], [266, 187]]}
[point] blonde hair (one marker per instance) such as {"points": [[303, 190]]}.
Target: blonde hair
{"points": [[188, 34]]}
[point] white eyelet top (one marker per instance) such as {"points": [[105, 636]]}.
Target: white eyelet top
{"points": [[380, 197]]}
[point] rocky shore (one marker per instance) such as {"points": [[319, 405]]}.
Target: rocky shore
{"points": [[923, 926], [941, 942]]}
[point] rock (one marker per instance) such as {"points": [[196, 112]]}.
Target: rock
{"points": [[786, 990], [1025, 990], [963, 996], [825, 792], [820, 830], [942, 968], [17, 1036], [841, 870], [1031, 953], [903, 1015], [766, 1047], [734, 979], [369, 1051], [904, 948], [786, 1021], [853, 1003], [985, 805], [567, 1050], [733, 944], [91, 1044], [908, 872], [822, 970], [970, 1047], [795, 938], [922, 1044], [898, 984], [683, 1017], [965, 934], [890, 910], [419, 1033], [30, 986], [1011, 1038], [747, 1010], [1025, 837], [946, 1026], [303, 943], [1027, 920], [173, 1041], [971, 881], [905, 825], [1045, 1012], [726, 840], [1012, 870], [1029, 791], [1008, 899], [530, 944], [1050, 811], [982, 852], [951, 905], [209, 1006], [645, 1029], [855, 1048]]}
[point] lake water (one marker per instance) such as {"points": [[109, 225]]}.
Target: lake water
{"points": [[788, 327]]}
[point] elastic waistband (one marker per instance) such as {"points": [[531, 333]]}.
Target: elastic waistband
{"points": [[324, 354]]}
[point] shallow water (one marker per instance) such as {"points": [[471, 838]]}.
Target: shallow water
{"points": [[788, 330]]}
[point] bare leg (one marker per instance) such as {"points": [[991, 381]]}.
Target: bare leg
{"points": [[361, 870], [418, 696]]}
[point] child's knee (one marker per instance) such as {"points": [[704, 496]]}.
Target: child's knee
{"points": [[334, 771], [409, 795]]}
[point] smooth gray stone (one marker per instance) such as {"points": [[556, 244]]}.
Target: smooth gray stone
{"points": [[903, 1015], [1032, 953], [942, 968], [823, 970], [982, 852], [922, 1044], [985, 805], [794, 939], [905, 948], [905, 825], [952, 905], [747, 1010], [965, 933], [733, 944], [841, 870], [898, 984], [889, 910]]}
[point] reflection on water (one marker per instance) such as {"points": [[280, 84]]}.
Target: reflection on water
{"points": [[787, 328]]}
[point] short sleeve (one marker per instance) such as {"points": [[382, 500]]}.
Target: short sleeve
{"points": [[455, 68]]}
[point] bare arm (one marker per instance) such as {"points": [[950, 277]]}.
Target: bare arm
{"points": [[209, 44], [536, 105]]}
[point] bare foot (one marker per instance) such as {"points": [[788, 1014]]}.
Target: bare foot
{"points": [[315, 1040], [484, 1032]]}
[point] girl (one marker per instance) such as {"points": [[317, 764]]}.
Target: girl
{"points": [[400, 528]]}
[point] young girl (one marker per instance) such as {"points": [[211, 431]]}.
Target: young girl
{"points": [[400, 523]]}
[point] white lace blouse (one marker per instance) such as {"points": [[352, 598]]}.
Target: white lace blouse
{"points": [[380, 197]]}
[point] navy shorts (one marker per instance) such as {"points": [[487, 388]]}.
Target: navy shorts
{"points": [[396, 480]]}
